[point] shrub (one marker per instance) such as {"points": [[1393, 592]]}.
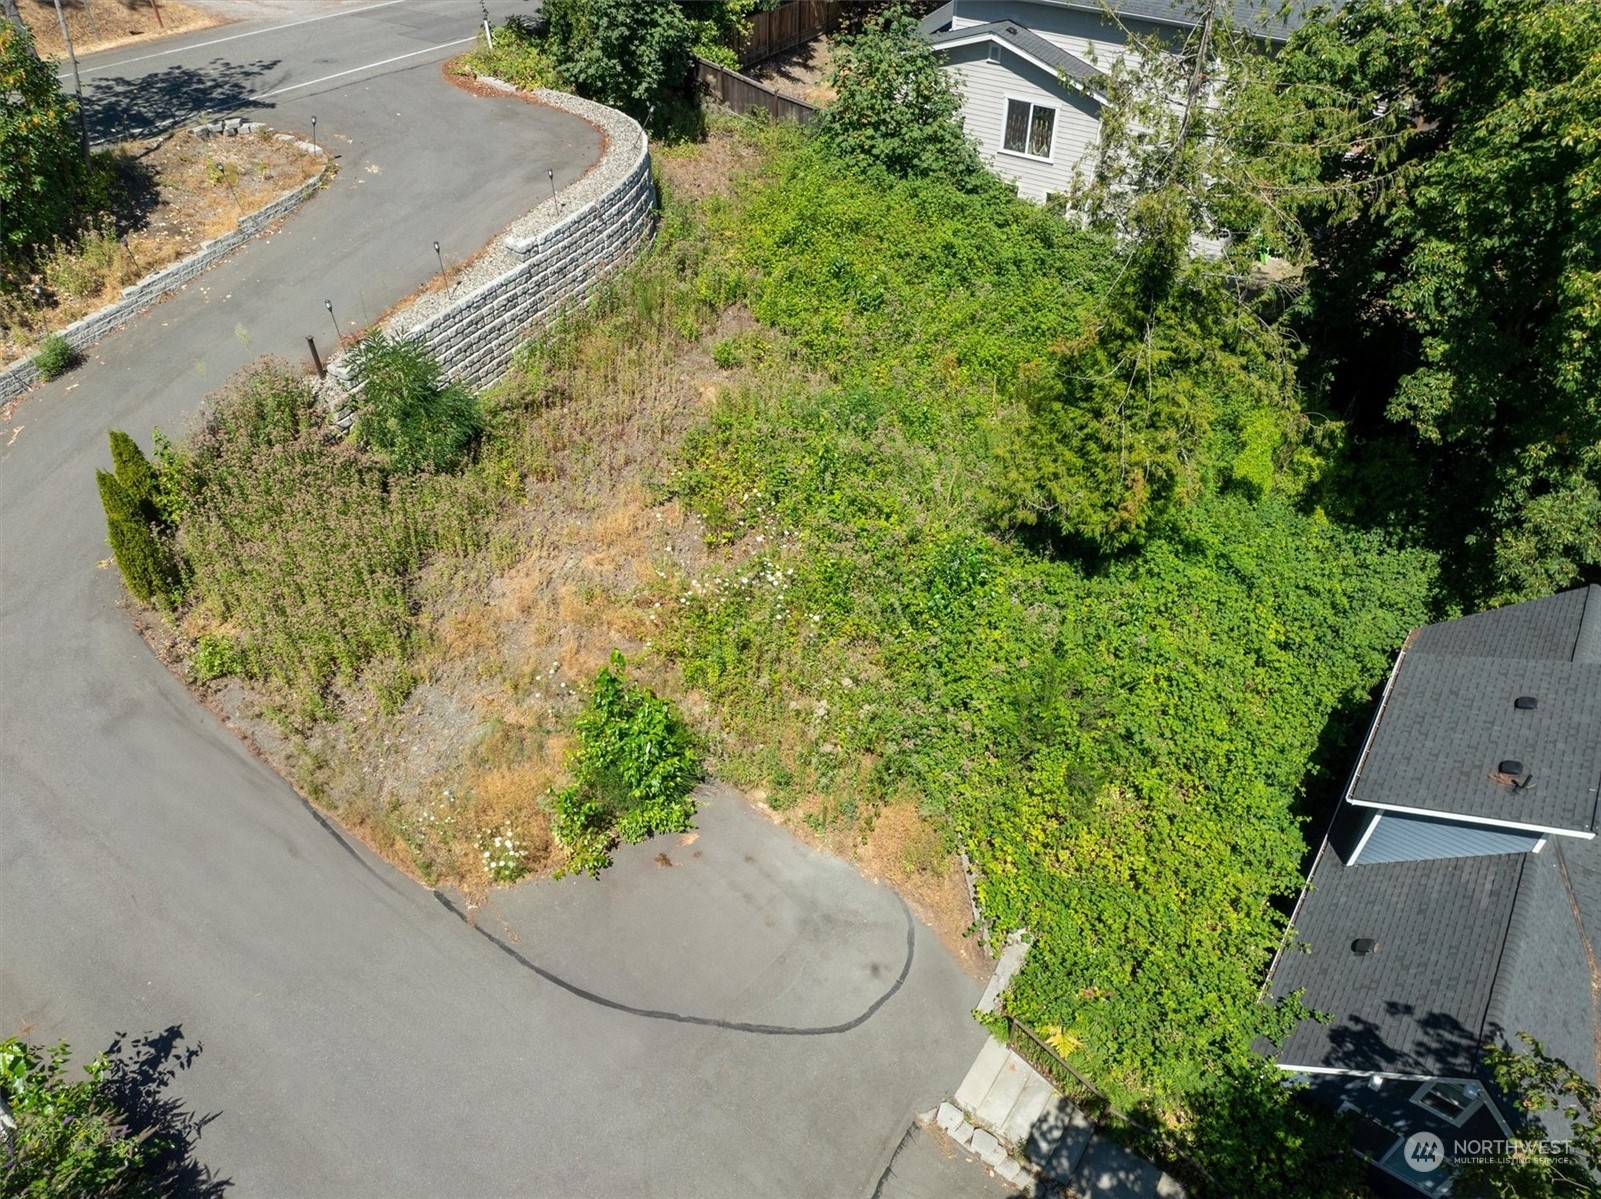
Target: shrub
{"points": [[519, 56], [897, 110], [44, 177], [139, 543], [306, 548], [215, 657], [636, 764], [629, 55], [411, 416], [71, 1138], [55, 357]]}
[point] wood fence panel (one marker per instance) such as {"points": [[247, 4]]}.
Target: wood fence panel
{"points": [[742, 94], [785, 27]]}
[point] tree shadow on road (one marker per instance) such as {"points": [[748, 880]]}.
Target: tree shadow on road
{"points": [[140, 1076], [120, 107]]}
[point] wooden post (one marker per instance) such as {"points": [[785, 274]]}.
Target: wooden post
{"points": [[156, 8]]}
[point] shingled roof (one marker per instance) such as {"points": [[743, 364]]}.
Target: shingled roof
{"points": [[1030, 45], [1469, 950]]}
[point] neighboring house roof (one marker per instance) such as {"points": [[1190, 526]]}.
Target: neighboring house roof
{"points": [[1030, 46], [1470, 950], [1274, 20]]}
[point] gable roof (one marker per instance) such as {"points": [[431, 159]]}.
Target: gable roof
{"points": [[1449, 722], [1031, 47], [1471, 950], [1416, 1005], [1274, 20]]}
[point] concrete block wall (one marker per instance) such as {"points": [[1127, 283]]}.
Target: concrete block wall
{"points": [[82, 334], [552, 260]]}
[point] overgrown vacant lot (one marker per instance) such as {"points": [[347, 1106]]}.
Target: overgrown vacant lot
{"points": [[769, 469], [164, 197]]}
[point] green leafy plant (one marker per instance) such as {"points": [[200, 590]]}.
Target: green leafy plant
{"points": [[71, 1139], [410, 415], [215, 657], [631, 56], [897, 111], [636, 765], [44, 176], [54, 357]]}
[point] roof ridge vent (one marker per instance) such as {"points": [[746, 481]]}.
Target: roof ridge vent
{"points": [[1587, 646]]}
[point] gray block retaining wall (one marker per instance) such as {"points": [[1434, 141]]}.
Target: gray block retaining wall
{"points": [[550, 261], [82, 334]]}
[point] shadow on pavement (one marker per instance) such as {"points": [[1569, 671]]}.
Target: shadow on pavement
{"points": [[124, 106], [141, 1073]]}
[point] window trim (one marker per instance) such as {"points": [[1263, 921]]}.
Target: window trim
{"points": [[1462, 1117], [1007, 98]]}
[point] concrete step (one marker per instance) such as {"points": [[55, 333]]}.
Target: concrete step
{"points": [[1109, 1171], [996, 1105], [1058, 1139], [985, 1070], [1031, 1104]]}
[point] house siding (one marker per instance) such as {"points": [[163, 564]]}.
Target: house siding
{"points": [[987, 86], [1401, 837]]}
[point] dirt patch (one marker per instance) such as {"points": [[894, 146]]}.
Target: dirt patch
{"points": [[104, 24], [176, 192], [801, 73], [712, 168]]}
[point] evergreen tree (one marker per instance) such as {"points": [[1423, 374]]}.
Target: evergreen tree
{"points": [[138, 543]]}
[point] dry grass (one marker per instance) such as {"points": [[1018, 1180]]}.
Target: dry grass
{"points": [[198, 190], [102, 24]]}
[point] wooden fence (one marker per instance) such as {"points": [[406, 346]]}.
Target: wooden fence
{"points": [[785, 27], [742, 94]]}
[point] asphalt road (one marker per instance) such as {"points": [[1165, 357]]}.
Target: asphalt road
{"points": [[757, 1020]]}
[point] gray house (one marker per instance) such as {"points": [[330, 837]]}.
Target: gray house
{"points": [[1033, 72], [1456, 900]]}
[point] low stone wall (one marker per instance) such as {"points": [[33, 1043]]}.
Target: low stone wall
{"points": [[545, 263], [82, 334]]}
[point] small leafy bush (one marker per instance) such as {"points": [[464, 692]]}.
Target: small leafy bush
{"points": [[55, 357], [71, 1138], [629, 55], [519, 56], [411, 416], [636, 765], [215, 657]]}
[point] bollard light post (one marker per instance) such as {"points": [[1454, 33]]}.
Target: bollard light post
{"points": [[441, 259], [339, 338], [314, 132]]}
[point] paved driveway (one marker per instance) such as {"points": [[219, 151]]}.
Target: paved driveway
{"points": [[357, 1037]]}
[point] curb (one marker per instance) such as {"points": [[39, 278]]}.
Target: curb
{"points": [[21, 376]]}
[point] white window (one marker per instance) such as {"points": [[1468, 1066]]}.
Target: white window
{"points": [[1030, 129]]}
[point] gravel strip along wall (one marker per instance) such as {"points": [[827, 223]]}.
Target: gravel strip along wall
{"points": [[543, 264], [81, 334]]}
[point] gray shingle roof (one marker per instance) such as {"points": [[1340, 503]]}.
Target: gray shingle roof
{"points": [[1538, 630], [1417, 1005], [1271, 19], [1026, 41], [1471, 949], [1450, 721]]}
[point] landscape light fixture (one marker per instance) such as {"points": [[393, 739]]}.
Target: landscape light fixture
{"points": [[441, 258], [314, 131], [338, 337], [551, 175]]}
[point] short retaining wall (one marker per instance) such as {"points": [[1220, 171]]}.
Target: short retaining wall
{"points": [[82, 334], [546, 263]]}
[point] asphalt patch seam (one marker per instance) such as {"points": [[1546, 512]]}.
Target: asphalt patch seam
{"points": [[768, 1030]]}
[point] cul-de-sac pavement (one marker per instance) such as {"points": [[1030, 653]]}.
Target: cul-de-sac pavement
{"points": [[760, 1020]]}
